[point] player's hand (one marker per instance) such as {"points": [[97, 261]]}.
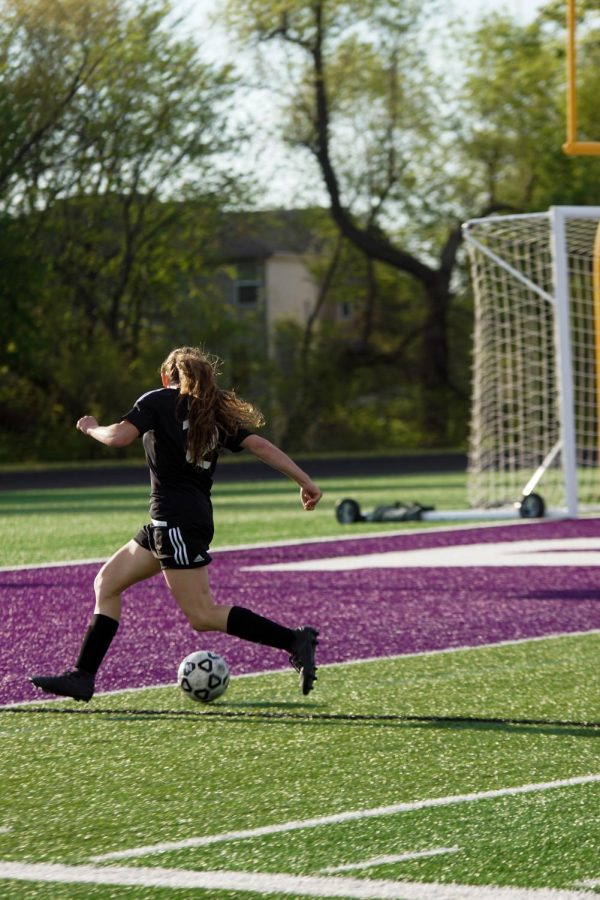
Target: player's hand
{"points": [[86, 422], [310, 496]]}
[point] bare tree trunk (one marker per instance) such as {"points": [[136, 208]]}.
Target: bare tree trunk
{"points": [[435, 282]]}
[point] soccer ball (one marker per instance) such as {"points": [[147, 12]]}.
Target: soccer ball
{"points": [[203, 676]]}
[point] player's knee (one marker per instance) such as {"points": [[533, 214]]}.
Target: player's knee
{"points": [[100, 583], [103, 584]]}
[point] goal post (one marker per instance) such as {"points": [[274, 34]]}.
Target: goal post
{"points": [[535, 414]]}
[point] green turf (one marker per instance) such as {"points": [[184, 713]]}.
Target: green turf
{"points": [[110, 776], [53, 525]]}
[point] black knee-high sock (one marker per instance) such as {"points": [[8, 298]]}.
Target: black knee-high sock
{"points": [[96, 642], [248, 625]]}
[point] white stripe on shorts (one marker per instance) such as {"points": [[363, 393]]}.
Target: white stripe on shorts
{"points": [[181, 557]]}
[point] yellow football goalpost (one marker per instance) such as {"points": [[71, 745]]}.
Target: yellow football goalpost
{"points": [[573, 146]]}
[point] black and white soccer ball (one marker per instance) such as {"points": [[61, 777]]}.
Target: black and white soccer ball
{"points": [[203, 676]]}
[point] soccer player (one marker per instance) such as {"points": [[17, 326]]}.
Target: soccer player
{"points": [[183, 426]]}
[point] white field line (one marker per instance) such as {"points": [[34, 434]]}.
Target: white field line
{"points": [[338, 818], [550, 552], [274, 883], [54, 565], [299, 542], [348, 662], [387, 860], [4, 829]]}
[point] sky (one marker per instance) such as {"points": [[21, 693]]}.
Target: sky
{"points": [[523, 9], [286, 181], [198, 12]]}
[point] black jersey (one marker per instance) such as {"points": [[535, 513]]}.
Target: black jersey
{"points": [[180, 490]]}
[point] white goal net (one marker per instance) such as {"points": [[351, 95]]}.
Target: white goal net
{"points": [[535, 421]]}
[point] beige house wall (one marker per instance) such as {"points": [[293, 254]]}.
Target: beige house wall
{"points": [[290, 290]]}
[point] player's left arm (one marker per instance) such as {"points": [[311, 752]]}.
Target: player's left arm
{"points": [[120, 434], [268, 453]]}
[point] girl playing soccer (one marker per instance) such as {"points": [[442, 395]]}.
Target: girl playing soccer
{"points": [[183, 426]]}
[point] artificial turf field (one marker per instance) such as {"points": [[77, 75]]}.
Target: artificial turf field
{"points": [[459, 759]]}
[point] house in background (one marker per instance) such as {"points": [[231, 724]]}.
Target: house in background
{"points": [[266, 258]]}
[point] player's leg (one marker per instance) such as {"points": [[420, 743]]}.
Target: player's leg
{"points": [[130, 564], [191, 590]]}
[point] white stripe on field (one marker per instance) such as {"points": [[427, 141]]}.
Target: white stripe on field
{"points": [[338, 818], [387, 860], [554, 552], [24, 567], [299, 542], [275, 883]]}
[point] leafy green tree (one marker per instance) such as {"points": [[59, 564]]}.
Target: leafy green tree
{"points": [[350, 382], [512, 111], [364, 102], [111, 174], [406, 153]]}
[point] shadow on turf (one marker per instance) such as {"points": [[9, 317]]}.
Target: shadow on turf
{"points": [[584, 594], [480, 723]]}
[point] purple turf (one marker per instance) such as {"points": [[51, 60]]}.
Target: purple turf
{"points": [[360, 614]]}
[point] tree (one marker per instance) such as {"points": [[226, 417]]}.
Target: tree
{"points": [[512, 109], [138, 120], [111, 174], [362, 102], [406, 153]]}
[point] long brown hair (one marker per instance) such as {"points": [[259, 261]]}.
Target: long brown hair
{"points": [[209, 406]]}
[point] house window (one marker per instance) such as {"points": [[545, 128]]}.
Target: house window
{"points": [[247, 285], [247, 293]]}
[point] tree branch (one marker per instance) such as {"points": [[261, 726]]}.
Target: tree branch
{"points": [[374, 245], [39, 133]]}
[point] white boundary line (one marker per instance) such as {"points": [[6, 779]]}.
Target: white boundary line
{"points": [[275, 883], [333, 665], [389, 860], [299, 542], [338, 818], [53, 565]]}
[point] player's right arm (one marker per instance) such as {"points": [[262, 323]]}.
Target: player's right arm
{"points": [[120, 434], [273, 456]]}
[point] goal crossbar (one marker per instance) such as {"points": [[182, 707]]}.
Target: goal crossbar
{"points": [[514, 272]]}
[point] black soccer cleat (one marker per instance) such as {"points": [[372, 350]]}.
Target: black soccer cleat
{"points": [[303, 656], [76, 684]]}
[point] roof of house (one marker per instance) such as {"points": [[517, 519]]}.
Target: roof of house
{"points": [[258, 235]]}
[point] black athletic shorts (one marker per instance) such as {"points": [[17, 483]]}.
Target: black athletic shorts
{"points": [[174, 546]]}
